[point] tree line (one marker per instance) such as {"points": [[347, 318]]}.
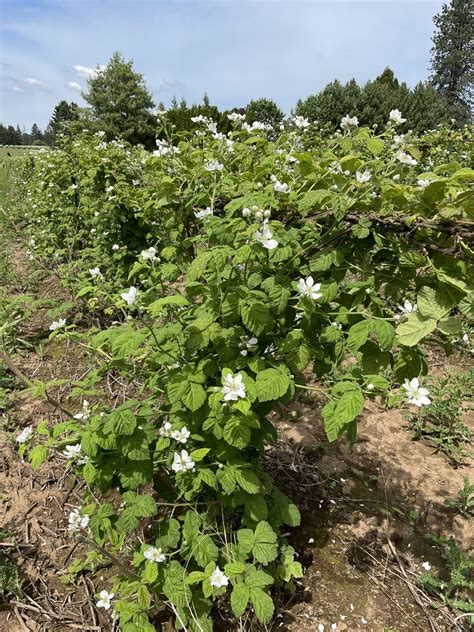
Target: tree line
{"points": [[121, 106]]}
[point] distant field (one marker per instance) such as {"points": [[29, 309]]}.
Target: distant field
{"points": [[17, 150]]}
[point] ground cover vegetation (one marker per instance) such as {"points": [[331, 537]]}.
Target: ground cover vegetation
{"points": [[219, 275]]}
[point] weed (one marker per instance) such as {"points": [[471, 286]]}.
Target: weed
{"points": [[441, 422], [464, 501]]}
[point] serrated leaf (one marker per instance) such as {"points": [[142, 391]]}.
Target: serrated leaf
{"points": [[271, 384], [256, 316], [414, 329], [38, 456], [193, 396], [313, 200], [248, 481], [120, 422], [264, 547], [239, 599], [432, 303], [263, 605], [236, 433], [450, 325], [349, 406]]}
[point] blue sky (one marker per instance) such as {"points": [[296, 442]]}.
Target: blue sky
{"points": [[235, 50]]}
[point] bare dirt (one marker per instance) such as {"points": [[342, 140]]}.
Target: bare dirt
{"points": [[365, 515]]}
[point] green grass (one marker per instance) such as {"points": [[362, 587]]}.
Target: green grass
{"points": [[17, 150]]}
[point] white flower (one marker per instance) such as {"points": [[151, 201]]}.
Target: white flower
{"points": [[56, 324], [165, 149], [396, 177], [154, 555], [235, 116], [213, 165], [465, 338], [307, 287], [233, 387], [149, 254], [115, 247], [95, 272], [370, 387], [408, 307], [405, 159], [77, 521], [416, 394], [72, 451], [396, 117], [347, 122], [165, 430], [181, 436], [299, 121], [246, 212], [105, 599], [182, 462], [363, 177], [130, 296], [219, 578], [426, 566], [265, 237], [85, 414], [205, 213], [24, 435], [281, 187], [423, 183]]}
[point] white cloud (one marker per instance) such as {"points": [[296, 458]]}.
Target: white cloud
{"points": [[86, 72], [74, 86], [33, 82], [17, 89]]}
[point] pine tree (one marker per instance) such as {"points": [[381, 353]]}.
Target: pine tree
{"points": [[62, 115], [452, 57], [120, 103]]}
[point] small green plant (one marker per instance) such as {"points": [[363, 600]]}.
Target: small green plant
{"points": [[10, 580], [464, 501], [441, 422], [454, 585]]}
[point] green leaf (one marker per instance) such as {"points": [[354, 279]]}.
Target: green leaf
{"points": [[120, 422], [375, 146], [239, 599], [433, 303], [414, 329], [248, 481], [349, 406], [450, 325], [263, 605], [38, 456], [256, 508], [313, 200], [258, 579], [271, 384], [204, 550], [466, 306], [193, 396], [256, 316], [236, 433], [264, 548], [198, 455]]}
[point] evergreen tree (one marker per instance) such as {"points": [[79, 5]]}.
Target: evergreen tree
{"points": [[36, 134], [120, 103], [264, 111], [426, 109], [62, 115], [452, 57]]}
